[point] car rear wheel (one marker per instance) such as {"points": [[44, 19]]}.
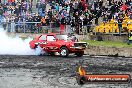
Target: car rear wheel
{"points": [[39, 51], [64, 52], [79, 54], [36, 46]]}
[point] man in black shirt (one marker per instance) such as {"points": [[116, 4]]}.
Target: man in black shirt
{"points": [[120, 19], [85, 22]]}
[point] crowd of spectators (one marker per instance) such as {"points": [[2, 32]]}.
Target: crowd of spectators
{"points": [[68, 15]]}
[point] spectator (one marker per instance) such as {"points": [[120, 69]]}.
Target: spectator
{"points": [[120, 19], [62, 24], [68, 8], [131, 16], [129, 38], [43, 22], [68, 26], [105, 19], [85, 24]]}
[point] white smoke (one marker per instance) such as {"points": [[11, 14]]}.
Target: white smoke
{"points": [[14, 46]]}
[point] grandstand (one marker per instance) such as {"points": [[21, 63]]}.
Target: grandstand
{"points": [[112, 26]]}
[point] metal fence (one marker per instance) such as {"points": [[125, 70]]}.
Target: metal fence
{"points": [[36, 27], [29, 27]]}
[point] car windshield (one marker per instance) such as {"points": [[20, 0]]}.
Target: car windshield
{"points": [[62, 37]]}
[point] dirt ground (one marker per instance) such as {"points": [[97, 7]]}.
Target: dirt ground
{"points": [[58, 72]]}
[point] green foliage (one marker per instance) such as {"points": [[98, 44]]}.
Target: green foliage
{"points": [[108, 44]]}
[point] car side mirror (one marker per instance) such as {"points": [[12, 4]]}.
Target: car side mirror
{"points": [[54, 39]]}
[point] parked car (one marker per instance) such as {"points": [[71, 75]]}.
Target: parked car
{"points": [[51, 43]]}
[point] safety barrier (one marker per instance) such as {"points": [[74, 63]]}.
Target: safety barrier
{"points": [[29, 27], [36, 27]]}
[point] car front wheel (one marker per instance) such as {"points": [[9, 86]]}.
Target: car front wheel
{"points": [[64, 52]]}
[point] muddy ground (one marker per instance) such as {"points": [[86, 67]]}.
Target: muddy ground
{"points": [[58, 72]]}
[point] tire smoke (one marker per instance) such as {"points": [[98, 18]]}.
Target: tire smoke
{"points": [[14, 46]]}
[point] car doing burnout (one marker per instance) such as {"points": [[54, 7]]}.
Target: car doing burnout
{"points": [[51, 43]]}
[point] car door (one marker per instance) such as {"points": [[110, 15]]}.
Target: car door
{"points": [[42, 41], [51, 41]]}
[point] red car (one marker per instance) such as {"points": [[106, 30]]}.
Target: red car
{"points": [[51, 43]]}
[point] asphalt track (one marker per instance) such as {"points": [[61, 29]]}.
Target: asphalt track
{"points": [[58, 72]]}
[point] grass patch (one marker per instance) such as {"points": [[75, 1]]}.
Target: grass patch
{"points": [[108, 44]]}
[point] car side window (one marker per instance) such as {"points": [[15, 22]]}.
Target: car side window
{"points": [[50, 38], [43, 37]]}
